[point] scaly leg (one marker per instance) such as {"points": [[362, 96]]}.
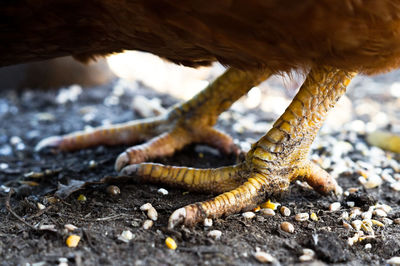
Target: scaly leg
{"points": [[274, 161], [190, 122]]}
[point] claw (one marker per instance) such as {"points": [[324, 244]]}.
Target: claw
{"points": [[121, 162], [50, 142], [177, 217]]}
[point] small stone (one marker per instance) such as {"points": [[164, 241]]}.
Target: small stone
{"points": [[301, 217], [147, 224], [248, 215], [73, 241], [267, 212], [396, 221], [113, 190], [208, 222], [287, 227], [126, 236], [162, 191], [264, 257], [92, 163], [70, 227], [394, 261], [215, 234], [334, 206], [285, 211], [41, 206]]}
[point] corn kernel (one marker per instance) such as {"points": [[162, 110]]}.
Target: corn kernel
{"points": [[72, 241], [314, 217], [270, 205], [82, 197], [171, 244]]}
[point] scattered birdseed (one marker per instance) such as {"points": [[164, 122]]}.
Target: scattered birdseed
{"points": [[372, 181], [366, 215], [72, 241], [301, 217], [314, 217], [41, 206], [248, 215], [287, 227], [170, 243], [126, 236], [384, 207], [285, 211], [257, 209], [380, 213], [82, 198], [395, 186], [377, 223], [50, 227], [396, 221], [216, 234], [152, 214], [334, 206], [264, 257], [345, 215], [70, 227], [355, 211], [270, 205], [347, 226], [92, 163], [147, 224], [208, 222], [146, 207], [356, 224], [366, 226], [394, 261], [162, 191], [113, 190], [387, 221], [267, 212], [368, 246], [350, 204]]}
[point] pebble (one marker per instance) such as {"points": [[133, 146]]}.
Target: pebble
{"points": [[162, 191], [267, 212], [394, 261], [301, 217], [285, 211], [264, 257], [147, 224], [334, 206], [287, 227], [215, 234], [113, 190], [126, 236], [208, 222], [248, 215]]}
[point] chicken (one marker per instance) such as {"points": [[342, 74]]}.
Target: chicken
{"points": [[329, 40]]}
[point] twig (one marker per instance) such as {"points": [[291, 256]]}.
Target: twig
{"points": [[8, 207], [39, 213]]}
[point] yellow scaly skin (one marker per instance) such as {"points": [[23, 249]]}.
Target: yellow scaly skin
{"points": [[189, 122], [274, 161]]}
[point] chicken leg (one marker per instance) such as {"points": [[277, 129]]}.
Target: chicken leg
{"points": [[277, 159], [189, 122]]}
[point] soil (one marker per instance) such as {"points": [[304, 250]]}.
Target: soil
{"points": [[29, 116]]}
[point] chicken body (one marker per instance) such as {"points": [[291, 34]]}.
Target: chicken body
{"points": [[353, 35], [257, 38]]}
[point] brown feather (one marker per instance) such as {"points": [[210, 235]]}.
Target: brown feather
{"points": [[360, 35]]}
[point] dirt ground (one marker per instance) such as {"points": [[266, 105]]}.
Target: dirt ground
{"points": [[29, 116]]}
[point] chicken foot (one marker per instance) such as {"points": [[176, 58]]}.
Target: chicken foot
{"points": [[276, 160]]}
